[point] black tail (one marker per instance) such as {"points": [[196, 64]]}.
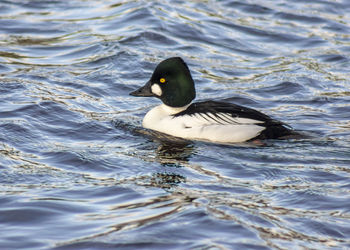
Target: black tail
{"points": [[279, 131]]}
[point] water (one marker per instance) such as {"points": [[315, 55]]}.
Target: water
{"points": [[77, 171]]}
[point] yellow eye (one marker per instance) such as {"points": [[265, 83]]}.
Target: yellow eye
{"points": [[162, 80]]}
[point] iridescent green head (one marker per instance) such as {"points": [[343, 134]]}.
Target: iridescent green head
{"points": [[171, 82]]}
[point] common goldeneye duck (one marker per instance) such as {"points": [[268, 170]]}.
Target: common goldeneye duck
{"points": [[214, 121]]}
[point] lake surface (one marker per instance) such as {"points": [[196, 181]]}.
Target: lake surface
{"points": [[77, 171]]}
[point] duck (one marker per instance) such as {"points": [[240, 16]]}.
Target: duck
{"points": [[214, 121]]}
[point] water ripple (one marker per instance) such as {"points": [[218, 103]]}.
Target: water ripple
{"points": [[74, 158]]}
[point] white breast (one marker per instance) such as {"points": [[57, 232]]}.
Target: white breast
{"points": [[219, 128]]}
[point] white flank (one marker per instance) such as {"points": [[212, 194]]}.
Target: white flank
{"points": [[217, 128]]}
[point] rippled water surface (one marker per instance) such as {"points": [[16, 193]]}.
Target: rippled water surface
{"points": [[77, 171]]}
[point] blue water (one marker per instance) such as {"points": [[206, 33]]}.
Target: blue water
{"points": [[77, 171]]}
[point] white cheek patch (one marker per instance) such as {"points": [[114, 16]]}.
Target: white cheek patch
{"points": [[156, 89]]}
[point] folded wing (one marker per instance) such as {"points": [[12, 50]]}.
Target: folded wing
{"points": [[225, 121]]}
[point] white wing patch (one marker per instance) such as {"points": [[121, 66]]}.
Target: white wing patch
{"points": [[206, 119]]}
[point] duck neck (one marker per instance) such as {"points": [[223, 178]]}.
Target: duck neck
{"points": [[174, 110]]}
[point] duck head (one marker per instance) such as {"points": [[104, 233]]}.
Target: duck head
{"points": [[171, 82]]}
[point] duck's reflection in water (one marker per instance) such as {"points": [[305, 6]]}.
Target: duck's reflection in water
{"points": [[172, 152]]}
